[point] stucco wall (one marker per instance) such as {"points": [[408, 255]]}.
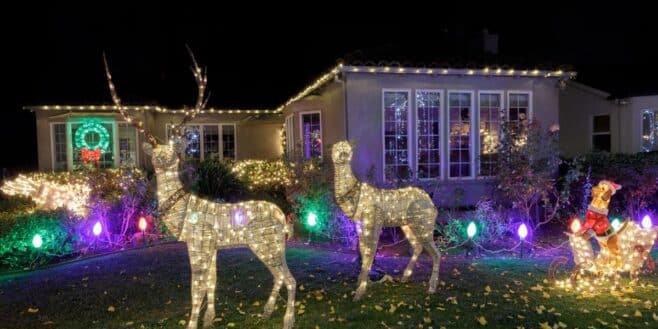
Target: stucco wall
{"points": [[364, 108], [330, 102], [578, 105]]}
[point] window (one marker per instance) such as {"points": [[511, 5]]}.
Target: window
{"points": [[601, 133], [460, 122], [311, 132], [396, 135], [649, 130], [59, 156], [290, 136], [428, 116], [127, 145], [91, 134], [210, 141], [490, 128], [203, 141], [228, 141], [519, 113]]}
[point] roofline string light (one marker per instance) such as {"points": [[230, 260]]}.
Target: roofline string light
{"points": [[330, 75]]}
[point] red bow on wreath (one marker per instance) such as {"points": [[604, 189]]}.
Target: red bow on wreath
{"points": [[88, 155]]}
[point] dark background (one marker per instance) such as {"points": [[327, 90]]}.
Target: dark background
{"points": [[258, 58]]}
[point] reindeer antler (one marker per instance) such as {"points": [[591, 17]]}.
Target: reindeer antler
{"points": [[139, 124], [201, 77]]}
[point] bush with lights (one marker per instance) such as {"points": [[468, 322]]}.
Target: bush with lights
{"points": [[38, 238]]}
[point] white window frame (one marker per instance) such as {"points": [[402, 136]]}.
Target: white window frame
{"points": [[301, 131], [592, 133], [472, 134], [201, 137], [501, 93], [290, 133], [137, 146], [531, 114], [410, 134], [442, 134], [642, 111], [52, 143], [69, 138]]}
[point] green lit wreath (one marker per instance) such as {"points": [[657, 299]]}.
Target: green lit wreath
{"points": [[92, 127]]}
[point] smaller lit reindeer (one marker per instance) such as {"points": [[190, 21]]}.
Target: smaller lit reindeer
{"points": [[207, 226]]}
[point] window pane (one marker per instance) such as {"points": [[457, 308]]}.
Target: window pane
{"points": [[459, 121], [396, 138], [312, 135], [59, 145], [290, 135], [490, 122], [519, 109], [228, 142], [601, 142], [650, 130], [210, 141], [601, 123], [127, 145], [193, 149]]}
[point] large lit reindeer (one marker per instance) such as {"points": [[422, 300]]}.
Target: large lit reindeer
{"points": [[409, 208], [207, 226]]}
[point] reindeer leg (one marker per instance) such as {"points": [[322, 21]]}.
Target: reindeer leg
{"points": [[199, 276], [211, 282], [278, 278], [436, 260], [417, 250], [368, 247], [291, 286]]}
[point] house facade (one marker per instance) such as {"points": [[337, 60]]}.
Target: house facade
{"points": [[590, 119], [63, 132], [436, 126]]}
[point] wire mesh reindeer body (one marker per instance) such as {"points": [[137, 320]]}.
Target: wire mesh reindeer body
{"points": [[372, 208], [206, 226]]}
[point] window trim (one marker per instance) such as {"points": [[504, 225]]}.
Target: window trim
{"points": [[501, 93], [301, 131], [290, 134], [591, 129], [642, 111], [69, 138], [442, 158], [472, 134], [219, 126], [137, 145], [52, 144], [383, 126], [531, 114]]}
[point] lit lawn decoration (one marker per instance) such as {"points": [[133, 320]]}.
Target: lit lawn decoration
{"points": [[408, 208], [624, 246], [207, 226], [50, 195]]}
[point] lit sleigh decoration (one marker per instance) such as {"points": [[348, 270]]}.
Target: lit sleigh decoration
{"points": [[207, 226], [624, 247]]}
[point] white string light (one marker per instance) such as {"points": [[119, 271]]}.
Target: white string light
{"points": [[49, 194]]}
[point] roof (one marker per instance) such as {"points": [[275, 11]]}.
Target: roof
{"points": [[354, 64]]}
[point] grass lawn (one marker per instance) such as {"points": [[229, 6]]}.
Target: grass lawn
{"points": [[149, 288]]}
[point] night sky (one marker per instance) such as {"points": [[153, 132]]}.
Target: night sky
{"points": [[258, 60]]}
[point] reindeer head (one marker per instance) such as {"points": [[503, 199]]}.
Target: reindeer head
{"points": [[341, 152], [164, 156]]}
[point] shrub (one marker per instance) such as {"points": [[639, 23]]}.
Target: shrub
{"points": [[54, 228], [216, 180]]}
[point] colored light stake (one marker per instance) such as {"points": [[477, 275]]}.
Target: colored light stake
{"points": [[142, 224], [471, 230], [311, 219], [616, 224], [37, 241], [522, 231], [647, 223], [98, 228], [575, 225]]}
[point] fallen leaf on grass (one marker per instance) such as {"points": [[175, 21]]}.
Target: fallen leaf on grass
{"points": [[111, 309], [482, 320]]}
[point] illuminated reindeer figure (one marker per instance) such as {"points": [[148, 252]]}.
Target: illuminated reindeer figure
{"points": [[409, 208], [207, 226]]}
